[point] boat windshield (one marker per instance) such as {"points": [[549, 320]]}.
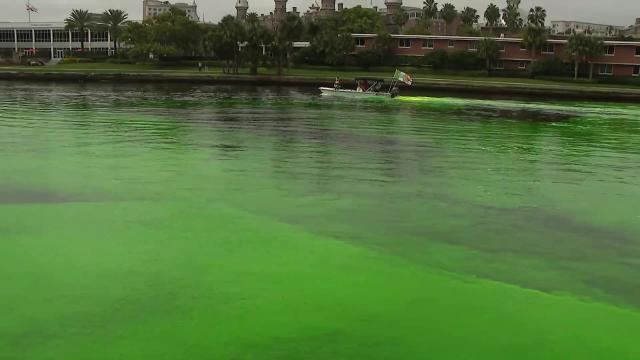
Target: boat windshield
{"points": [[369, 85]]}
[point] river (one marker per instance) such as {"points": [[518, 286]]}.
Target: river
{"points": [[180, 222]]}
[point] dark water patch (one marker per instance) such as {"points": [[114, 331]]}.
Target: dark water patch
{"points": [[40, 196]]}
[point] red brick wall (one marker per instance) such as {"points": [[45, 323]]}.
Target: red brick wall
{"points": [[512, 51], [513, 54], [624, 54], [622, 70], [415, 49]]}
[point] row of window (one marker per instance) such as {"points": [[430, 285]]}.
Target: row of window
{"points": [[44, 36], [158, 11], [548, 48], [603, 69], [607, 69], [472, 45]]}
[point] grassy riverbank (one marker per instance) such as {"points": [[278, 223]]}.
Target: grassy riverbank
{"points": [[424, 78]]}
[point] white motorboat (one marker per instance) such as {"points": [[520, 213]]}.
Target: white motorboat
{"points": [[368, 88]]}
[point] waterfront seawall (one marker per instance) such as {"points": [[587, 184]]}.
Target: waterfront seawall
{"points": [[472, 87]]}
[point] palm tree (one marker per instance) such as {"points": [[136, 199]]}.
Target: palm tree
{"points": [[535, 34], [469, 16], [208, 40], [448, 14], [492, 16], [511, 15], [489, 50], [79, 20], [534, 38], [382, 46], [231, 34], [400, 18], [287, 31], [430, 11], [257, 35], [537, 16], [115, 19], [581, 46]]}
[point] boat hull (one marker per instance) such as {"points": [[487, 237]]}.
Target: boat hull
{"points": [[351, 94]]}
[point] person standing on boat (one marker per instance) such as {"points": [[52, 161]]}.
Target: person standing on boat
{"points": [[336, 85]]}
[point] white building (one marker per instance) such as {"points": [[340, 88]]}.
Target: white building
{"points": [[151, 8], [563, 27], [51, 39], [633, 30]]}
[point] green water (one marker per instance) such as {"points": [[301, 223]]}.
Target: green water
{"points": [[178, 222]]}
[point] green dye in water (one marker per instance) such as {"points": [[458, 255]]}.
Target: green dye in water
{"points": [[240, 223]]}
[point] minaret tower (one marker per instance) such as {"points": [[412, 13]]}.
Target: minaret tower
{"points": [[280, 11], [328, 7], [242, 6], [393, 6]]}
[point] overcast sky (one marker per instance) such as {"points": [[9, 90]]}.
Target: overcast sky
{"points": [[615, 12]]}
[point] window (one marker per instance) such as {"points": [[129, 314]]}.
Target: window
{"points": [[60, 36], [473, 45], [610, 50], [43, 36], [522, 65], [606, 69], [498, 65], [6, 36], [360, 42], [99, 36], [636, 70], [637, 50], [523, 47], [548, 48], [501, 46], [404, 43], [427, 44], [451, 43], [24, 36], [75, 36]]}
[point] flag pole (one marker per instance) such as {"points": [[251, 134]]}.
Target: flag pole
{"points": [[29, 10]]}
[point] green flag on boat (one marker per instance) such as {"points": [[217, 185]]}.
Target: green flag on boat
{"points": [[405, 78]]}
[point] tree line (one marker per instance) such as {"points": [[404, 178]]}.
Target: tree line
{"points": [[173, 34], [533, 30]]}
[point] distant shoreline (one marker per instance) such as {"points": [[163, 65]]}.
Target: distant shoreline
{"points": [[548, 92]]}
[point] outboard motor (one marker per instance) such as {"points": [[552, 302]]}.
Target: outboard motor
{"points": [[395, 91]]}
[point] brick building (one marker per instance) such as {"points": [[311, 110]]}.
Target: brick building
{"points": [[619, 58]]}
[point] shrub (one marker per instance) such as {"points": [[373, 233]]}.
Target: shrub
{"points": [[465, 60], [6, 53], [75, 60], [367, 59], [550, 67], [307, 56], [437, 59]]}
